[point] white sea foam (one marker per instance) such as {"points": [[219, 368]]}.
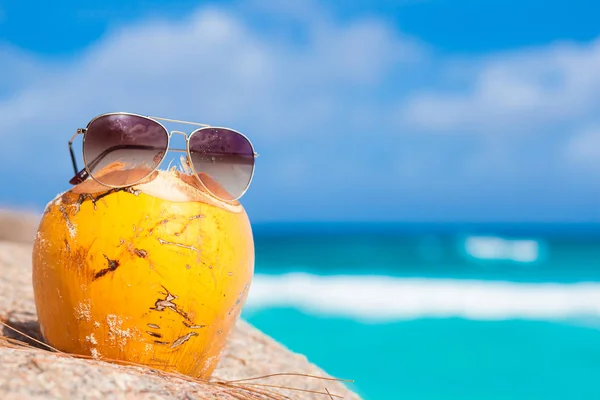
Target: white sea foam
{"points": [[379, 298], [497, 248]]}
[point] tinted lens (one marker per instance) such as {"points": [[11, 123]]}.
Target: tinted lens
{"points": [[122, 149], [223, 160]]}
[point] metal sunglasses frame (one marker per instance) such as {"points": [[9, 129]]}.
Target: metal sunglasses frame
{"points": [[83, 174]]}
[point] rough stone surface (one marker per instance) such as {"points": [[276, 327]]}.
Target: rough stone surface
{"points": [[36, 374]]}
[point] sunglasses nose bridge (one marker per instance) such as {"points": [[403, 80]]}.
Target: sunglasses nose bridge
{"points": [[178, 133]]}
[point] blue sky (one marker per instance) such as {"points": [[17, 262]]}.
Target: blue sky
{"points": [[366, 110]]}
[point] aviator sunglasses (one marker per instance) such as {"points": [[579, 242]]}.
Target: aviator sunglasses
{"points": [[122, 149]]}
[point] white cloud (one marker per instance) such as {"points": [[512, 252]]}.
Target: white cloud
{"points": [[518, 91]]}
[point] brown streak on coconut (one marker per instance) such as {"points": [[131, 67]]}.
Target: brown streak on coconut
{"points": [[167, 302], [192, 219], [161, 241], [183, 339], [140, 253], [94, 199], [193, 326], [112, 266]]}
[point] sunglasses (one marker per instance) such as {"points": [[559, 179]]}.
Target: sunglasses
{"points": [[122, 149]]}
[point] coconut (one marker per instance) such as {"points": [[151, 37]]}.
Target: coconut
{"points": [[153, 274]]}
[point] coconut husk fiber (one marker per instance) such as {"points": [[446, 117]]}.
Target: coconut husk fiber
{"points": [[28, 371]]}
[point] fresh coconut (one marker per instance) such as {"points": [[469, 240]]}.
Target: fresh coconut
{"points": [[152, 274]]}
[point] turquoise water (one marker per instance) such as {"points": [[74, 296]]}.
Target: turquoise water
{"points": [[505, 341], [446, 358]]}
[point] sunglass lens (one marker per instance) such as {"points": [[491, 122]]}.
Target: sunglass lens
{"points": [[223, 160], [122, 149]]}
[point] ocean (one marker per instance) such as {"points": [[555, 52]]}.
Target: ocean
{"points": [[436, 311]]}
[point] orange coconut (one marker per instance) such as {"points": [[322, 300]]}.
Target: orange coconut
{"points": [[154, 274]]}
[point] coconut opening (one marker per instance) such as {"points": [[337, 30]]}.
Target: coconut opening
{"points": [[172, 185]]}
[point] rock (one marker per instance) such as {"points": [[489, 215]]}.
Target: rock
{"points": [[32, 373]]}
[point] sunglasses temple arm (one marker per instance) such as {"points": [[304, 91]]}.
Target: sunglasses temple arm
{"points": [[73, 160], [81, 175], [73, 157]]}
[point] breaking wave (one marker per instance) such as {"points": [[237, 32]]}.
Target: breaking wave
{"points": [[380, 298], [497, 248]]}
